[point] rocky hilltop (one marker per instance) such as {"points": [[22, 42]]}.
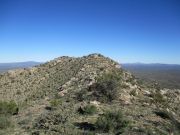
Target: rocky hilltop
{"points": [[86, 95]]}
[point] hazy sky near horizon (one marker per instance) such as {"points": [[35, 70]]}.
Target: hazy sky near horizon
{"points": [[128, 31]]}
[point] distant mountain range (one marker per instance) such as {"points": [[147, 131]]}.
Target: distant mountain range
{"points": [[167, 75], [8, 66]]}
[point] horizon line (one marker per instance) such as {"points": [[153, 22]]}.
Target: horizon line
{"points": [[121, 63]]}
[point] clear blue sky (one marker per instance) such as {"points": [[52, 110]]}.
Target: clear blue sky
{"points": [[125, 30]]}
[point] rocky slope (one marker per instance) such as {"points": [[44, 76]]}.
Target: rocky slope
{"points": [[70, 95]]}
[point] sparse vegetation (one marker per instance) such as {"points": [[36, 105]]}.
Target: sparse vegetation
{"points": [[50, 95], [4, 122]]}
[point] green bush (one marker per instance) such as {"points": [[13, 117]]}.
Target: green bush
{"points": [[81, 95], [112, 121], [8, 108], [159, 99], [4, 122], [107, 86], [88, 110], [55, 102]]}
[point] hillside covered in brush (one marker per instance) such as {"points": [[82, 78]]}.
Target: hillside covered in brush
{"points": [[84, 96]]}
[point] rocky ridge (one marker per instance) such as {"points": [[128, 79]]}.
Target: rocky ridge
{"points": [[50, 95]]}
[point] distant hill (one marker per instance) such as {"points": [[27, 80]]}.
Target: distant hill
{"points": [[167, 75], [9, 66]]}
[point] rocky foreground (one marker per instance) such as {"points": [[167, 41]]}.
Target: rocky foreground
{"points": [[86, 95]]}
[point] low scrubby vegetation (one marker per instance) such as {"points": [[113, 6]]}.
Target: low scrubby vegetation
{"points": [[7, 109], [168, 115], [112, 122], [72, 95], [107, 86], [88, 110], [159, 99], [10, 108], [82, 95], [55, 102], [4, 122]]}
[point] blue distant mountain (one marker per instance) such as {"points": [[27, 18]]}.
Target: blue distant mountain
{"points": [[8, 66]]}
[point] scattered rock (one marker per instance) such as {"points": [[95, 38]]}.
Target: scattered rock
{"points": [[96, 103]]}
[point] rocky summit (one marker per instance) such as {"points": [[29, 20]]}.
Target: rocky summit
{"points": [[90, 95]]}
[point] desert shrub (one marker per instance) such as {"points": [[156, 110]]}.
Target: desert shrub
{"points": [[133, 93], [85, 126], [107, 86], [18, 92], [163, 114], [55, 102], [159, 99], [81, 95], [146, 131], [168, 115], [88, 110], [4, 122], [112, 121], [8, 108], [53, 121], [132, 80]]}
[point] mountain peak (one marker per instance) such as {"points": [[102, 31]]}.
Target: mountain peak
{"points": [[50, 75]]}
